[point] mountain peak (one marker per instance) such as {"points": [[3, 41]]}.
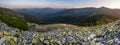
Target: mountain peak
{"points": [[103, 7]]}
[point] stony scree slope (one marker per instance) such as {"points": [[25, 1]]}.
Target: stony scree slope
{"points": [[104, 35]]}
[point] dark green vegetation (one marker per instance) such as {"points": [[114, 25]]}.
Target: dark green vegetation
{"points": [[15, 22], [17, 19], [89, 20], [96, 20], [26, 17]]}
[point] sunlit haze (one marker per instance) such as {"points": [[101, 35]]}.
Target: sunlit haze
{"points": [[59, 3]]}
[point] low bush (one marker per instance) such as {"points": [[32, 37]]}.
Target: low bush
{"points": [[15, 22]]}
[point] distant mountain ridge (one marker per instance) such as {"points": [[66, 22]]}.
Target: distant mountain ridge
{"points": [[81, 16], [86, 11], [44, 12], [40, 12]]}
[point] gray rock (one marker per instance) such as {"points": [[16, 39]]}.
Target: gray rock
{"points": [[2, 40]]}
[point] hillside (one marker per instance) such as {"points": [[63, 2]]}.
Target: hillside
{"points": [[26, 17], [106, 35], [87, 20], [14, 22]]}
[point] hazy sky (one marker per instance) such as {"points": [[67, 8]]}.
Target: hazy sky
{"points": [[59, 3]]}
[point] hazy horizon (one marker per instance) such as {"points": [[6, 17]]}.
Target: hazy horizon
{"points": [[59, 3]]}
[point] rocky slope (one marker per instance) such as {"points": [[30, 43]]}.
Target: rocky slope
{"points": [[104, 35]]}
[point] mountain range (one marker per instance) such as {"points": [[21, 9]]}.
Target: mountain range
{"points": [[77, 16], [74, 15], [40, 12], [64, 12]]}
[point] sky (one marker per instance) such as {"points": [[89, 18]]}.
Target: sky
{"points": [[59, 3]]}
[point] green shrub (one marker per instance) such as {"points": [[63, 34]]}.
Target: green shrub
{"points": [[15, 22]]}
